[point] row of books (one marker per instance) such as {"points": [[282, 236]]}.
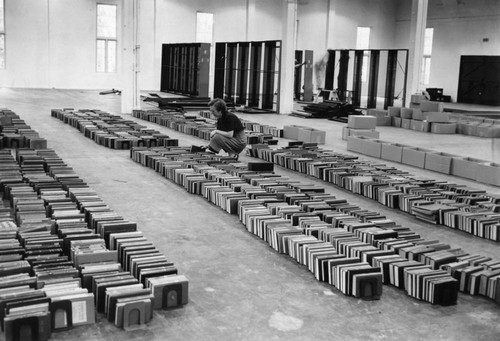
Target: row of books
{"points": [[437, 202], [377, 181], [225, 190], [112, 131], [44, 186], [16, 133], [42, 293], [201, 124]]}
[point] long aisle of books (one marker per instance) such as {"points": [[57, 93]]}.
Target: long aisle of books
{"points": [[428, 270], [66, 257], [353, 249]]}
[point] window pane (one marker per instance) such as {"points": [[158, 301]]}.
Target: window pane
{"points": [[204, 27], [426, 70], [111, 56], [429, 33], [101, 56], [2, 51], [364, 69], [363, 38], [106, 21], [2, 19]]}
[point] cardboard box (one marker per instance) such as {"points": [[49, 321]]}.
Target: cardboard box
{"points": [[406, 113], [414, 105], [439, 162], [394, 111], [465, 167], [392, 151], [361, 122], [317, 136], [417, 98], [414, 156], [359, 132], [405, 123], [384, 121], [468, 128], [489, 173], [431, 106], [312, 135], [396, 121], [372, 147], [292, 131], [417, 115], [438, 117], [443, 128], [355, 144], [364, 145], [416, 125], [304, 134], [488, 130]]}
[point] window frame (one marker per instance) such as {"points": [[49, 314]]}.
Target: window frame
{"points": [[3, 55], [427, 56], [106, 39], [366, 54], [198, 32]]}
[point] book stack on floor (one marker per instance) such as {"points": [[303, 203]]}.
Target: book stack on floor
{"points": [[283, 213], [395, 188], [15, 133], [112, 131], [60, 243]]}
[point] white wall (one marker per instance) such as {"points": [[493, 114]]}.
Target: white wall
{"points": [[26, 44], [51, 43], [459, 28], [344, 17]]}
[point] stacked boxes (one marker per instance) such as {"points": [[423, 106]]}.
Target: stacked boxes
{"points": [[383, 118], [312, 135], [439, 162], [414, 156], [305, 134], [430, 117], [466, 167], [393, 151], [416, 99], [360, 125], [364, 145], [431, 106], [488, 172]]}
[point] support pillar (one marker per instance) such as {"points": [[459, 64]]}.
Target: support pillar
{"points": [[285, 96], [130, 96], [416, 48]]}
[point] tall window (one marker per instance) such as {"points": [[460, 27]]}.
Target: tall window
{"points": [[426, 62], [363, 43], [2, 35], [106, 38], [204, 27]]}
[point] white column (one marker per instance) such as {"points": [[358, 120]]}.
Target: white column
{"points": [[130, 97], [328, 23], [416, 48], [250, 20], [289, 19]]}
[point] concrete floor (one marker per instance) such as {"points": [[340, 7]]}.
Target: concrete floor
{"points": [[239, 288]]}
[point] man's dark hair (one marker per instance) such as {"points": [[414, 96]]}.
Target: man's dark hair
{"points": [[219, 104]]}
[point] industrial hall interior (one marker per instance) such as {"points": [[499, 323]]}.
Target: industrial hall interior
{"points": [[249, 170]]}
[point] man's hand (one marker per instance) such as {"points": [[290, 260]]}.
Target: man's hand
{"points": [[213, 132]]}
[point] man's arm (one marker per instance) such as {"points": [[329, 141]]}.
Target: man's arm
{"points": [[221, 132]]}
